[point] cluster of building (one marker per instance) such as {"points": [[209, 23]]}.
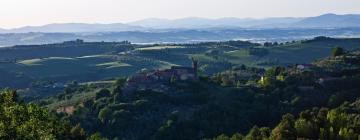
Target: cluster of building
{"points": [[158, 80]]}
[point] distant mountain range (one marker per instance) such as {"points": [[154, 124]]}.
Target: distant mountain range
{"points": [[2, 30], [329, 20], [322, 21], [191, 23], [76, 27]]}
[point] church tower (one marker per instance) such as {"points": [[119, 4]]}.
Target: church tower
{"points": [[195, 66]]}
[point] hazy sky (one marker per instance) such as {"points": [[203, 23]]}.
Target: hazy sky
{"points": [[15, 13]]}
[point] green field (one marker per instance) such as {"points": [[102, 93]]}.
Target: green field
{"points": [[102, 61], [160, 48]]}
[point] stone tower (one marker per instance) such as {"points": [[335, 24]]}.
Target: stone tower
{"points": [[195, 66]]}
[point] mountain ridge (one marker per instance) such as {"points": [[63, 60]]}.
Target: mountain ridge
{"points": [[331, 20], [156, 24], [76, 27], [191, 22]]}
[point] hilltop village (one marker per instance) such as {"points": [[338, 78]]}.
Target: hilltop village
{"points": [[158, 79]]}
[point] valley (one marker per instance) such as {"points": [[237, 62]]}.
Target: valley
{"points": [[179, 70], [82, 61], [206, 90]]}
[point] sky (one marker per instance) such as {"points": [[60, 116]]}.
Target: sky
{"points": [[17, 13]]}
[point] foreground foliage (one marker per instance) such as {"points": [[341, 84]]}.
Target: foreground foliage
{"points": [[341, 123], [29, 121]]}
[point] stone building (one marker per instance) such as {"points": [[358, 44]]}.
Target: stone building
{"points": [[156, 79]]}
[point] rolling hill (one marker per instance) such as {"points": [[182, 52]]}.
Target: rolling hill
{"points": [[76, 27], [92, 61], [200, 23], [322, 21], [2, 30], [178, 36], [155, 24], [214, 107], [329, 21]]}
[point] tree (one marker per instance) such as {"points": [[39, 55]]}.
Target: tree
{"points": [[173, 79], [275, 43], [120, 82], [337, 119], [104, 114], [337, 51], [272, 77], [97, 136], [222, 137], [29, 121], [102, 93], [268, 44], [78, 133], [237, 136], [254, 134], [286, 129], [305, 129]]}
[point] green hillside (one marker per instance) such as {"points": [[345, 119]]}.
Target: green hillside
{"points": [[304, 51], [228, 99], [235, 102], [21, 66]]}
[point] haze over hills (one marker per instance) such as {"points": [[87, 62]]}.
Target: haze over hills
{"points": [[76, 27], [230, 22], [322, 21], [330, 20], [326, 20], [188, 30]]}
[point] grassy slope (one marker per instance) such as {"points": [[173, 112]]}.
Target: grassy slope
{"points": [[86, 68], [77, 98], [298, 52]]}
